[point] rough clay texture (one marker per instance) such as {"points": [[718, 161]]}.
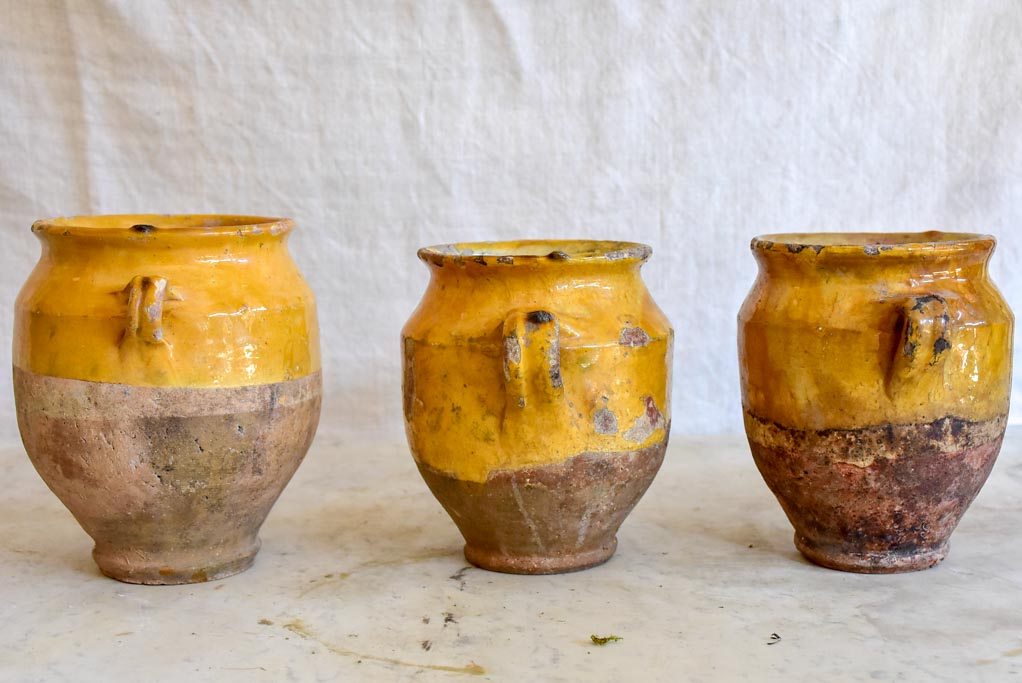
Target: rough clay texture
{"points": [[172, 483], [550, 518], [879, 499]]}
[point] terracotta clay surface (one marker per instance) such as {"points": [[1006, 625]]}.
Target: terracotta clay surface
{"points": [[548, 518], [876, 376], [172, 483], [878, 499]]}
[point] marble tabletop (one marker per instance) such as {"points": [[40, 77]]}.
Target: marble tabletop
{"points": [[361, 577]]}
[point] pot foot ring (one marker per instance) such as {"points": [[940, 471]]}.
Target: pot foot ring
{"points": [[155, 571], [496, 561], [871, 562]]}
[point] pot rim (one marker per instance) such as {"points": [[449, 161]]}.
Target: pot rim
{"points": [[152, 225], [933, 242], [536, 252]]}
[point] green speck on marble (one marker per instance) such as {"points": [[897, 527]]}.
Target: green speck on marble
{"points": [[597, 640]]}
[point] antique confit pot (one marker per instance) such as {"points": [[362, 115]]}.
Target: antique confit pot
{"points": [[537, 396], [167, 379], [875, 371]]}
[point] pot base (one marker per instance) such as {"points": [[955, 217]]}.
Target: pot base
{"points": [[167, 570], [172, 483], [496, 561], [878, 499], [547, 519], [883, 562]]}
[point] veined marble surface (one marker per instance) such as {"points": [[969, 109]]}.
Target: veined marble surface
{"points": [[361, 577]]}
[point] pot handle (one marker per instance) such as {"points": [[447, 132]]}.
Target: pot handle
{"points": [[925, 340], [146, 297], [532, 359]]}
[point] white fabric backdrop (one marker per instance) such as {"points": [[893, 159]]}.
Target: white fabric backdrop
{"points": [[384, 126]]}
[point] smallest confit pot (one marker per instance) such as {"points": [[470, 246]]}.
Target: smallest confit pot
{"points": [[167, 380], [537, 396], [876, 372]]}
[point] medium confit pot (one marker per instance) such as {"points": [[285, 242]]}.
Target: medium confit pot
{"points": [[537, 396], [167, 379], [875, 371]]}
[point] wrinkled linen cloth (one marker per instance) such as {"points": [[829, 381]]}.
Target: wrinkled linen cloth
{"points": [[385, 126]]}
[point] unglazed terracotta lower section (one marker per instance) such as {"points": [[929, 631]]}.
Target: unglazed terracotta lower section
{"points": [[880, 499], [551, 518], [173, 484]]}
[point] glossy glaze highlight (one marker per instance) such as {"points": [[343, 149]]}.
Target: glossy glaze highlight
{"points": [[233, 308]]}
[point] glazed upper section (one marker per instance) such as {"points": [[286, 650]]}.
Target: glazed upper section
{"points": [[592, 287], [527, 354], [152, 300], [847, 331]]}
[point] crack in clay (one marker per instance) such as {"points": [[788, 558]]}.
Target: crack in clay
{"points": [[525, 515], [583, 526], [298, 627]]}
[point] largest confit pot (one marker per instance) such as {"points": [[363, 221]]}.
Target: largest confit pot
{"points": [[537, 396], [876, 372], [167, 379]]}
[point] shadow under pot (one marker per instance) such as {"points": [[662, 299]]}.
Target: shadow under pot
{"points": [[167, 380], [875, 372], [536, 396]]}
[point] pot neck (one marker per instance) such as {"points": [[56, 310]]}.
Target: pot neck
{"points": [[221, 237], [868, 256], [545, 259]]}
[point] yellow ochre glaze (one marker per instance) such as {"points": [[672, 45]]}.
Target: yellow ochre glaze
{"points": [[528, 353], [849, 330], [170, 301]]}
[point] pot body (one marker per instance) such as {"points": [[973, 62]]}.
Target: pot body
{"points": [[876, 373], [537, 396], [167, 379]]}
